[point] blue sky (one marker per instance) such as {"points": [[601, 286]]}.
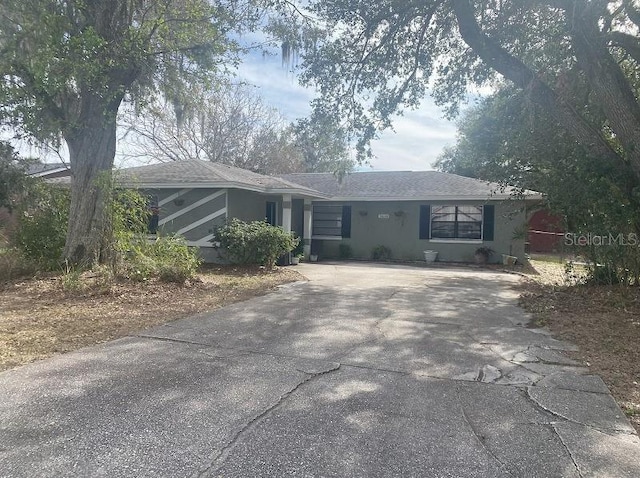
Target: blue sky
{"points": [[419, 135]]}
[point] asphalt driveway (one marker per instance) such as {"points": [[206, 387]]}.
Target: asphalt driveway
{"points": [[364, 371]]}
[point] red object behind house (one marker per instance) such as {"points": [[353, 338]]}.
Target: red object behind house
{"points": [[546, 232]]}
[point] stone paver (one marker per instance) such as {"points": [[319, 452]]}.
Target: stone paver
{"points": [[365, 371]]}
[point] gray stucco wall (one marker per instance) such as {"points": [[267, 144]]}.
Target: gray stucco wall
{"points": [[400, 232]]}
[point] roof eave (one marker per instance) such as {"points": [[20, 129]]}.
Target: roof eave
{"points": [[223, 185], [501, 197]]}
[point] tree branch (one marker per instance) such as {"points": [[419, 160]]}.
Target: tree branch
{"points": [[628, 43], [512, 68], [632, 12]]}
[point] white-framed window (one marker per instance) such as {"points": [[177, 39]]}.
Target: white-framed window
{"points": [[456, 222]]}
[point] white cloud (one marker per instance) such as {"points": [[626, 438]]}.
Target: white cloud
{"points": [[418, 137]]}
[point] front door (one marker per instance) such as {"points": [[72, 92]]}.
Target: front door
{"points": [[270, 215]]}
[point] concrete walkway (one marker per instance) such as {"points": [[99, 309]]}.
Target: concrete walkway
{"points": [[364, 371]]}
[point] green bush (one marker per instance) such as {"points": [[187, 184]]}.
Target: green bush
{"points": [[381, 253], [254, 242], [41, 227], [167, 257], [298, 250], [175, 261]]}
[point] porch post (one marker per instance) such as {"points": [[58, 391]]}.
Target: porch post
{"points": [[286, 212], [307, 228]]}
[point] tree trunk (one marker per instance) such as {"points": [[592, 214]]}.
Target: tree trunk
{"points": [[92, 148], [608, 84]]}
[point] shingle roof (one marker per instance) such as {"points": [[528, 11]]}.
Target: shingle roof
{"points": [[204, 173], [400, 185], [40, 169]]}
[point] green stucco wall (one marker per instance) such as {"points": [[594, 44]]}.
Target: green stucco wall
{"points": [[250, 206], [400, 232]]}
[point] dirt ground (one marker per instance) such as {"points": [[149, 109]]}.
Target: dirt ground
{"points": [[38, 318], [603, 321]]}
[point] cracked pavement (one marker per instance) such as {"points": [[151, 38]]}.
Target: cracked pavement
{"points": [[363, 371]]}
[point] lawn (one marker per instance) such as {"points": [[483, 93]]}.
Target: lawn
{"points": [[39, 318], [603, 321]]}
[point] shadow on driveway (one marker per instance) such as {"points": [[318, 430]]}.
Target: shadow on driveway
{"points": [[365, 370]]}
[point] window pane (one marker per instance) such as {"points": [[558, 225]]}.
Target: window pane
{"points": [[327, 220], [456, 222], [443, 213], [468, 230], [443, 230], [469, 213]]}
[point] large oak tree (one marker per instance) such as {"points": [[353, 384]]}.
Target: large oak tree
{"points": [[385, 56], [67, 65]]}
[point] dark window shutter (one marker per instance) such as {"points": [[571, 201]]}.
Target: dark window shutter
{"points": [[346, 222], [425, 222], [488, 222]]}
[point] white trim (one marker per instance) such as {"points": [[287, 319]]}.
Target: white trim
{"points": [[226, 185], [199, 222], [200, 243], [190, 207], [327, 238], [427, 198], [457, 241], [50, 171], [206, 239], [173, 196]]}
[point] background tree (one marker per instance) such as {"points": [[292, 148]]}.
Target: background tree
{"points": [[229, 124], [508, 139], [68, 65], [232, 125], [323, 144]]}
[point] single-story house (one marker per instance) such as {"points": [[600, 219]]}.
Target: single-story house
{"points": [[407, 212]]}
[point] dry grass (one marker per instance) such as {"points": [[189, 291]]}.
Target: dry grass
{"points": [[38, 318], [603, 321]]}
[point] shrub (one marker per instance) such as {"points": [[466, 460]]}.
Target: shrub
{"points": [[167, 257], [14, 266], [298, 251], [381, 253], [254, 242], [42, 225], [175, 261], [345, 251]]}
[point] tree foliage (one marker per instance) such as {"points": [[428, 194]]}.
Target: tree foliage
{"points": [[385, 56], [12, 174], [510, 140], [68, 65], [323, 145]]}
